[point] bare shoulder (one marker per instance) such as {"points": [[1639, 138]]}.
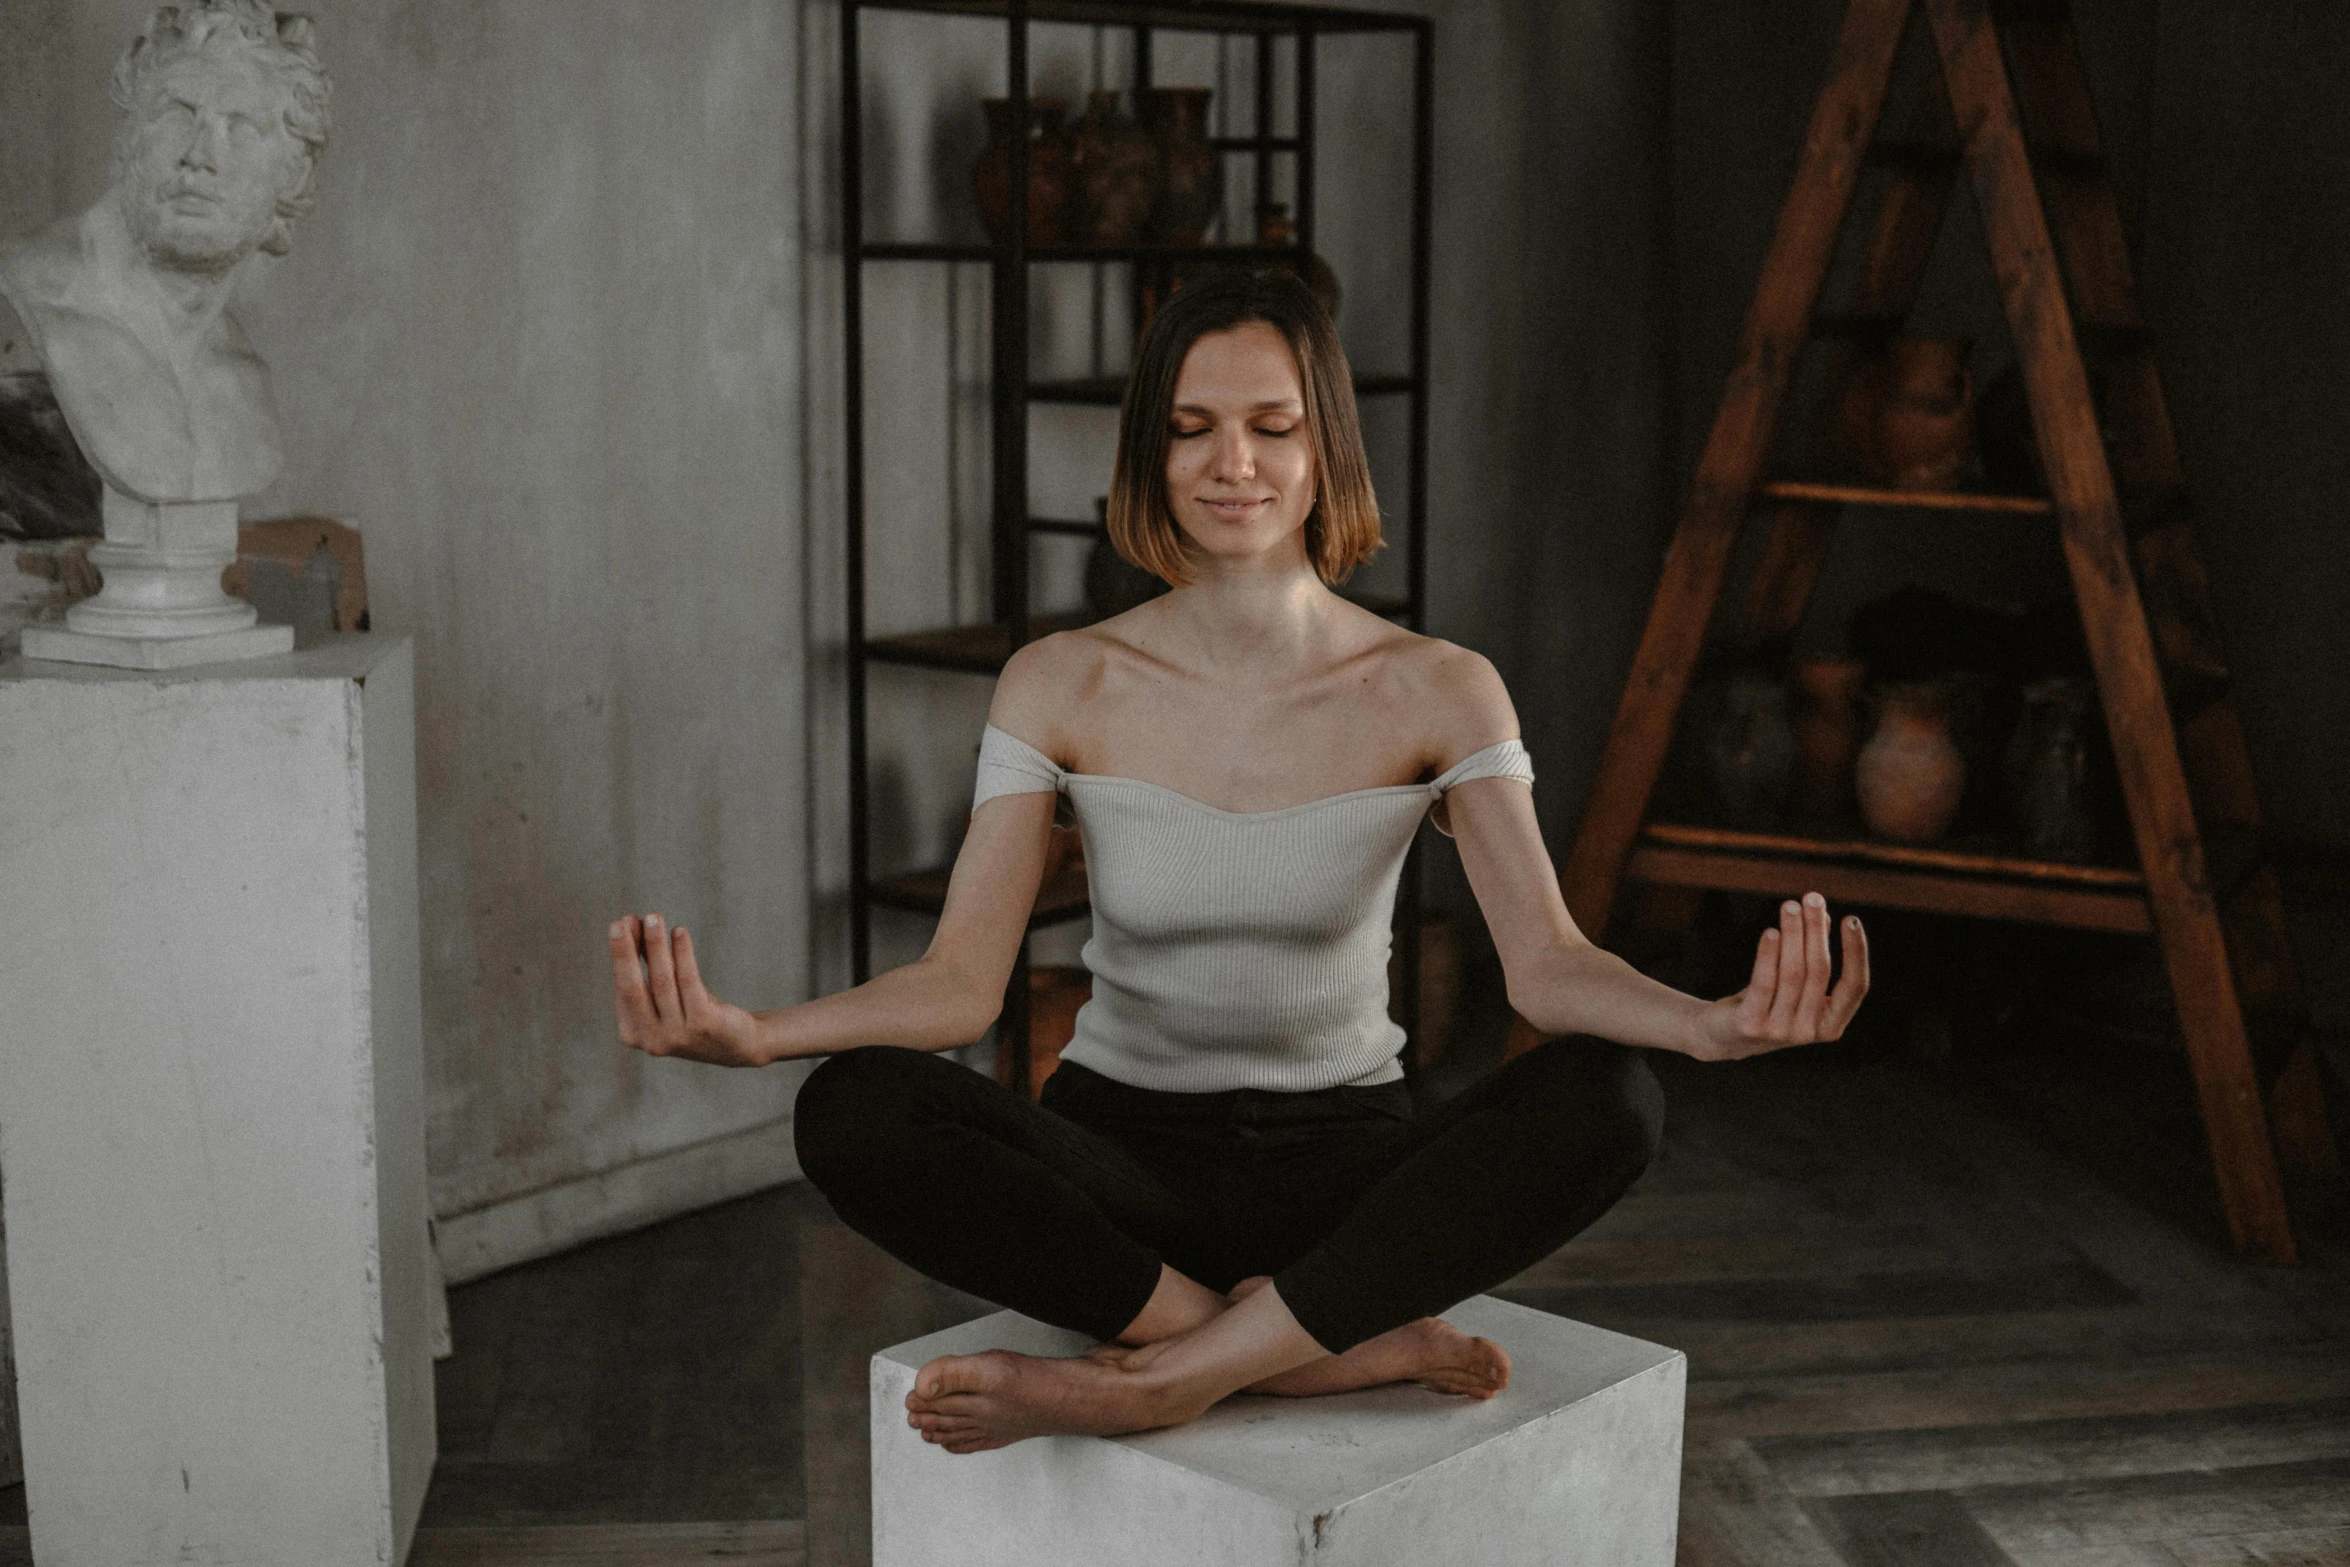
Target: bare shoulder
{"points": [[1045, 682], [1456, 692]]}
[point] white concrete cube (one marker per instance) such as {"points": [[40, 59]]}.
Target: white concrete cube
{"points": [[1578, 1461], [212, 1109]]}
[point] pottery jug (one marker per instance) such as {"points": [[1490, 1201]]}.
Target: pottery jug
{"points": [[1048, 169], [1276, 230], [1827, 735], [1750, 753], [1191, 175], [1926, 424], [2048, 767], [1117, 167], [1911, 774]]}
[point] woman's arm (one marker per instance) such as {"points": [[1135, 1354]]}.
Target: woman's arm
{"points": [[1562, 984], [946, 997]]}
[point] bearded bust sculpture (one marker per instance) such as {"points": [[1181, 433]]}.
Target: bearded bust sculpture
{"points": [[224, 115]]}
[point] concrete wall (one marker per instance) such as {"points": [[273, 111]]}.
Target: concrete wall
{"points": [[562, 339], [541, 343]]}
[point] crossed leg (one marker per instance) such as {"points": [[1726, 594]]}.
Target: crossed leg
{"points": [[1189, 1346]]}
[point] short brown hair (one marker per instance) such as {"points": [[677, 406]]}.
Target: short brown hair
{"points": [[1342, 531]]}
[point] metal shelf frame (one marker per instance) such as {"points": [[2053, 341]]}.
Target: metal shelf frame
{"points": [[981, 649]]}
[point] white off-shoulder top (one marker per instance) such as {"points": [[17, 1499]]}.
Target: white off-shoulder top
{"points": [[1237, 949]]}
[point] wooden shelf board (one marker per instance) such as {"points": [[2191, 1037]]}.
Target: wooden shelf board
{"points": [[1971, 862], [1927, 500], [1108, 391], [952, 250], [1200, 16], [1986, 886], [979, 649], [983, 648], [1065, 897]]}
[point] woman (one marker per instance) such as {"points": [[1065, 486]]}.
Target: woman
{"points": [[1223, 1181]]}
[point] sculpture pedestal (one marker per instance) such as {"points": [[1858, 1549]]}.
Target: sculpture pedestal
{"points": [[161, 606], [1577, 1463], [212, 1109]]}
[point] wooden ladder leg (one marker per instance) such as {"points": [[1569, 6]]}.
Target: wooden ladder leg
{"points": [[2060, 122], [2121, 644], [1777, 327]]}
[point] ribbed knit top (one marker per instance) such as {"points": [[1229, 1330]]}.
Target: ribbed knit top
{"points": [[1236, 949]]}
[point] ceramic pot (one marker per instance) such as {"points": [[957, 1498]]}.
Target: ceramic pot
{"points": [[1858, 403], [1750, 751], [1048, 169], [1911, 774], [1114, 585], [1277, 230], [1054, 995], [1826, 722], [2048, 769], [1926, 424], [1191, 175], [1117, 169]]}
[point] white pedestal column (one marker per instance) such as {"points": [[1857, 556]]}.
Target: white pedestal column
{"points": [[212, 1109]]}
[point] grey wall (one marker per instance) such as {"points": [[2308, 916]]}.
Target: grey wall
{"points": [[562, 339], [541, 343]]}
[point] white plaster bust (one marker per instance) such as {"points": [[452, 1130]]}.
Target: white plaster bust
{"points": [[224, 114]]}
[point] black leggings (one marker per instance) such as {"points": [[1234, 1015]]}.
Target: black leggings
{"points": [[1365, 1217]]}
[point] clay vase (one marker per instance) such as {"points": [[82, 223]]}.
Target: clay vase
{"points": [[1117, 169], [1926, 423], [1826, 722], [1048, 170], [1054, 995], [2048, 769], [1191, 175], [1750, 751], [1858, 403], [1910, 776], [1277, 231]]}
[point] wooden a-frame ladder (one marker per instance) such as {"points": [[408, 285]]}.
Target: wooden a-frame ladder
{"points": [[2028, 141]]}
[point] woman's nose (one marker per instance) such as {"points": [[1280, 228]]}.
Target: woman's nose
{"points": [[1234, 457]]}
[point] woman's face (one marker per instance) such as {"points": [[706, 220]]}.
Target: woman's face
{"points": [[1240, 461]]}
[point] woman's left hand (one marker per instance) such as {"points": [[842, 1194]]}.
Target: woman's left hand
{"points": [[1788, 1001]]}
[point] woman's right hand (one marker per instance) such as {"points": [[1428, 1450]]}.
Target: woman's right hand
{"points": [[664, 1008]]}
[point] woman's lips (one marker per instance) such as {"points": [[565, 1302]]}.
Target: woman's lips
{"points": [[1234, 510]]}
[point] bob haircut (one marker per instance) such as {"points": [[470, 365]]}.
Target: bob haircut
{"points": [[1342, 530]]}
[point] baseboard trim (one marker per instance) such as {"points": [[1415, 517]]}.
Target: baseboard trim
{"points": [[613, 1202]]}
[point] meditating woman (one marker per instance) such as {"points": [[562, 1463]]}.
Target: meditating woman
{"points": [[1224, 1181]]}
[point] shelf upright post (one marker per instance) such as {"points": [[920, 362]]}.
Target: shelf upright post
{"points": [[1011, 457], [1010, 328], [1423, 228], [1264, 126], [852, 255], [1306, 141], [1409, 895], [1143, 274]]}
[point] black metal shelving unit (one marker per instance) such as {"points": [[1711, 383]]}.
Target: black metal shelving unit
{"points": [[982, 648]]}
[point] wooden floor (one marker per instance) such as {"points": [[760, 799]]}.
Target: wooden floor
{"points": [[1926, 1327]]}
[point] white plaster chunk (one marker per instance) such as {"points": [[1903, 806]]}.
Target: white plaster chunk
{"points": [[1578, 1461]]}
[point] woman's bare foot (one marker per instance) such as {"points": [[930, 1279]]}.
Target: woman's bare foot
{"points": [[1431, 1352], [970, 1403]]}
